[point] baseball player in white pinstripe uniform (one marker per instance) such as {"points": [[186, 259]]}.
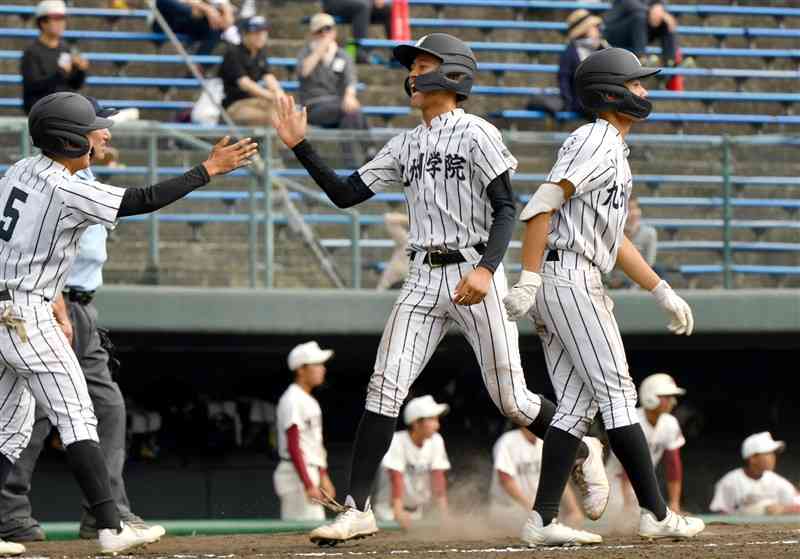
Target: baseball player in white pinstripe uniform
{"points": [[45, 209], [455, 173], [577, 217]]}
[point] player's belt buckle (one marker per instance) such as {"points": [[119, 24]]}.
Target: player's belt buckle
{"points": [[429, 260]]}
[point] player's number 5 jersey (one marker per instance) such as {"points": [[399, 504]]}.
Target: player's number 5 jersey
{"points": [[43, 211], [444, 170]]}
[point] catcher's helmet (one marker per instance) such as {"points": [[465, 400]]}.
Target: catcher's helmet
{"points": [[59, 123], [457, 71], [603, 74]]}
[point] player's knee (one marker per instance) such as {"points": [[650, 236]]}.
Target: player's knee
{"points": [[385, 395], [576, 425], [82, 427], [619, 413]]}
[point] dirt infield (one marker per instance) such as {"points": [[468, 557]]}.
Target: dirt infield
{"points": [[773, 541]]}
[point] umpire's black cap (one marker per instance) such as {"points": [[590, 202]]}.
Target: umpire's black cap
{"points": [[58, 124]]}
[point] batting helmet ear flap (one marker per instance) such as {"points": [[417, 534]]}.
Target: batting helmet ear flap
{"points": [[61, 141]]}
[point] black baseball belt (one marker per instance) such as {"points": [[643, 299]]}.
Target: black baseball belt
{"points": [[80, 296], [437, 258], [552, 256], [5, 295]]}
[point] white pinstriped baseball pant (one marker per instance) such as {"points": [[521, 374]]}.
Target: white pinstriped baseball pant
{"points": [[583, 349], [423, 314], [45, 370]]}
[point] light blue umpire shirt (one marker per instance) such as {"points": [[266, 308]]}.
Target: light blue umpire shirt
{"points": [[87, 269]]}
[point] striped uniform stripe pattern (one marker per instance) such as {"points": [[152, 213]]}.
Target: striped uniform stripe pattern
{"points": [[580, 336], [444, 171], [44, 209]]}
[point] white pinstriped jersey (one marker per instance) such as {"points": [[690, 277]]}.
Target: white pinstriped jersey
{"points": [[444, 170], [595, 160], [44, 210]]}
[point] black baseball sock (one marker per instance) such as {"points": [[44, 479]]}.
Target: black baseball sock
{"points": [[373, 437], [542, 423], [558, 458], [5, 468], [85, 459], [630, 446]]}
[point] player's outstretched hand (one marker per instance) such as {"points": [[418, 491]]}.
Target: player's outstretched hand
{"points": [[289, 123], [522, 296], [681, 313], [225, 157], [473, 287]]}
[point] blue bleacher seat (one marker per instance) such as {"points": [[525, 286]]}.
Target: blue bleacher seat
{"points": [[540, 48], [716, 118]]}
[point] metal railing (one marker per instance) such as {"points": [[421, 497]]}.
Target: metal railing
{"points": [[704, 166]]}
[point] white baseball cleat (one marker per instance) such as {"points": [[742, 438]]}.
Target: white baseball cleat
{"points": [[113, 541], [349, 524], [590, 478], [555, 533], [673, 526], [11, 548]]}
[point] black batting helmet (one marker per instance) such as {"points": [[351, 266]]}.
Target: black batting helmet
{"points": [[457, 71], [59, 123], [600, 82]]}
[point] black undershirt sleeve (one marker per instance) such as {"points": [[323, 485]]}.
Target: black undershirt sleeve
{"points": [[137, 201], [342, 192], [503, 213]]}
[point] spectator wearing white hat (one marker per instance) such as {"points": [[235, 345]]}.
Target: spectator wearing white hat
{"points": [[302, 475], [755, 488], [657, 398], [328, 81], [412, 473], [47, 64]]}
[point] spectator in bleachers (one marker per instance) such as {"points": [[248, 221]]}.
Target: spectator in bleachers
{"points": [[397, 267], [47, 64], [583, 38], [644, 237], [632, 24], [328, 81], [755, 488], [361, 13], [243, 67], [202, 22]]}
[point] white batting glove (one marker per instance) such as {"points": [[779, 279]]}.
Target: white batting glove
{"points": [[682, 320], [522, 296]]}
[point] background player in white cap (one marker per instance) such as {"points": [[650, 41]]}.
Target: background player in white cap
{"points": [[302, 474], [46, 209], [755, 488], [657, 398], [413, 472], [517, 463], [456, 174], [578, 217]]}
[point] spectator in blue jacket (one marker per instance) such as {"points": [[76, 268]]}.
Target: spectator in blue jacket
{"points": [[584, 36]]}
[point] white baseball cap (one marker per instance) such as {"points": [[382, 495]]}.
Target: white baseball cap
{"points": [[761, 443], [308, 353], [424, 406], [51, 7], [320, 21]]}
